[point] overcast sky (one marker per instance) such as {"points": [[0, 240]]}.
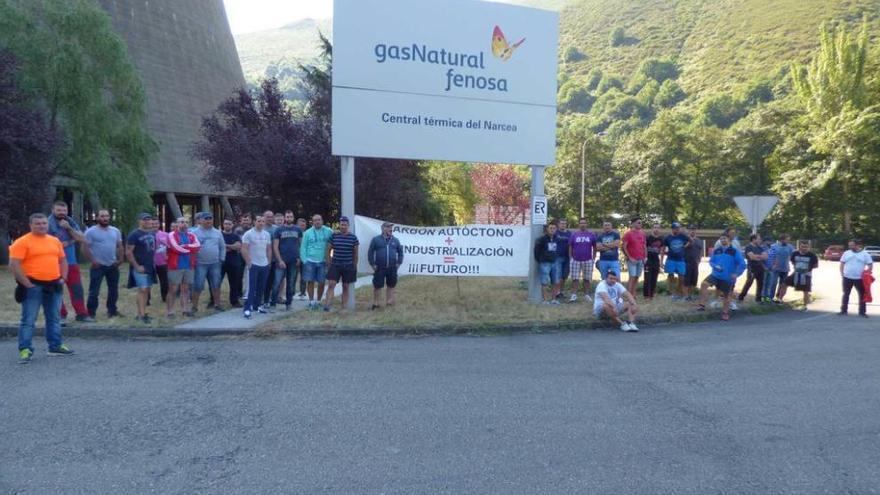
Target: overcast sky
{"points": [[246, 16]]}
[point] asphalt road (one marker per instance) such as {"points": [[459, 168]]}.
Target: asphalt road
{"points": [[786, 403]]}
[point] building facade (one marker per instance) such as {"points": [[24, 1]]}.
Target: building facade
{"points": [[185, 55]]}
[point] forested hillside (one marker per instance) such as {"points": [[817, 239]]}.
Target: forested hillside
{"points": [[674, 106]]}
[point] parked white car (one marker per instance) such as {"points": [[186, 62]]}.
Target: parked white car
{"points": [[874, 252]]}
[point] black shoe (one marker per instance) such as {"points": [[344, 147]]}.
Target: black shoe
{"points": [[210, 306], [85, 319], [841, 313], [219, 308], [374, 307], [863, 315], [115, 315], [235, 305], [61, 350], [63, 323]]}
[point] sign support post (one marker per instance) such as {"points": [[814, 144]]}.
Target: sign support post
{"points": [[347, 209], [535, 295]]}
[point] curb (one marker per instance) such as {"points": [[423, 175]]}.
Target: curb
{"points": [[9, 332]]}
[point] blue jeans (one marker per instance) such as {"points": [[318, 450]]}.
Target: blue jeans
{"points": [[280, 274], [606, 265], [213, 272], [771, 278], [50, 300], [96, 275], [257, 276]]}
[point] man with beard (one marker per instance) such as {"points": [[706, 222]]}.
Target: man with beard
{"points": [[106, 254], [68, 232]]}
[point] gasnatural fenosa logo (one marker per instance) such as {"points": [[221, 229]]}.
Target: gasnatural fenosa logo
{"points": [[500, 47]]}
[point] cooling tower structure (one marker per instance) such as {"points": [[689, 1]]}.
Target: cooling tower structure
{"points": [[186, 58]]}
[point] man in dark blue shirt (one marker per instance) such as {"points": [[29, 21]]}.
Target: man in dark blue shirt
{"points": [[285, 245], [674, 248], [342, 255], [140, 248]]}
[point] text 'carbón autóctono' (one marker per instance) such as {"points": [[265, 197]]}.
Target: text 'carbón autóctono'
{"points": [[426, 55]]}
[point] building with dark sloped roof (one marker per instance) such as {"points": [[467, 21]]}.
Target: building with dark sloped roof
{"points": [[186, 57]]}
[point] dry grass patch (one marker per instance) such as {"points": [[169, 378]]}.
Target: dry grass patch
{"points": [[471, 303]]}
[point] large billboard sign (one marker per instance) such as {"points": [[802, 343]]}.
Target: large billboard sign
{"points": [[458, 80]]}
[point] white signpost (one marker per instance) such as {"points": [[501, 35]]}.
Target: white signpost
{"points": [[456, 80], [755, 208], [539, 210]]}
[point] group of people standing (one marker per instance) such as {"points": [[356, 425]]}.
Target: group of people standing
{"points": [[774, 267], [261, 256]]}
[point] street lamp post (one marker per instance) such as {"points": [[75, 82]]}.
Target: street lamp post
{"points": [[583, 174], [583, 168]]}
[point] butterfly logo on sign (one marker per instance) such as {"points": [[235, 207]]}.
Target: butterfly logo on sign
{"points": [[500, 47]]}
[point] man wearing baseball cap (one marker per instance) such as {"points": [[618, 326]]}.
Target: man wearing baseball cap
{"points": [[139, 250], [209, 264]]}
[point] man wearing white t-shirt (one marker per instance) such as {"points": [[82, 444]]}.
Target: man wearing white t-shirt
{"points": [[256, 249], [853, 264], [612, 301]]}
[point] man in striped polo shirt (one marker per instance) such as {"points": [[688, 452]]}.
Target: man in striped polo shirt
{"points": [[342, 255]]}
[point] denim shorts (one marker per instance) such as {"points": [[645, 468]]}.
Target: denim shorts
{"points": [[142, 280], [212, 272], [635, 268], [606, 265], [314, 272], [550, 272]]}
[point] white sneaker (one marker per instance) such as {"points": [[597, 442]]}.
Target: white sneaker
{"points": [[715, 304], [633, 327], [588, 299], [733, 306], [625, 327], [573, 298]]}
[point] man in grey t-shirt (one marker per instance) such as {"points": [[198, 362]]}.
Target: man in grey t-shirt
{"points": [[211, 256], [104, 249]]}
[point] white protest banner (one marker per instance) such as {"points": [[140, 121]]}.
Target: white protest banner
{"points": [[462, 250], [458, 80]]}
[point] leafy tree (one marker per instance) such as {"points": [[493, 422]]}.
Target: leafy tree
{"points": [[451, 191], [593, 79], [256, 144], [579, 141], [669, 94], [834, 91], [504, 189], [617, 36], [722, 111], [608, 83], [572, 54], [76, 66], [26, 144], [659, 70], [574, 97]]}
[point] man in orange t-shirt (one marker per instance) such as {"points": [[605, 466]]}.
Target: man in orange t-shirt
{"points": [[38, 263]]}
